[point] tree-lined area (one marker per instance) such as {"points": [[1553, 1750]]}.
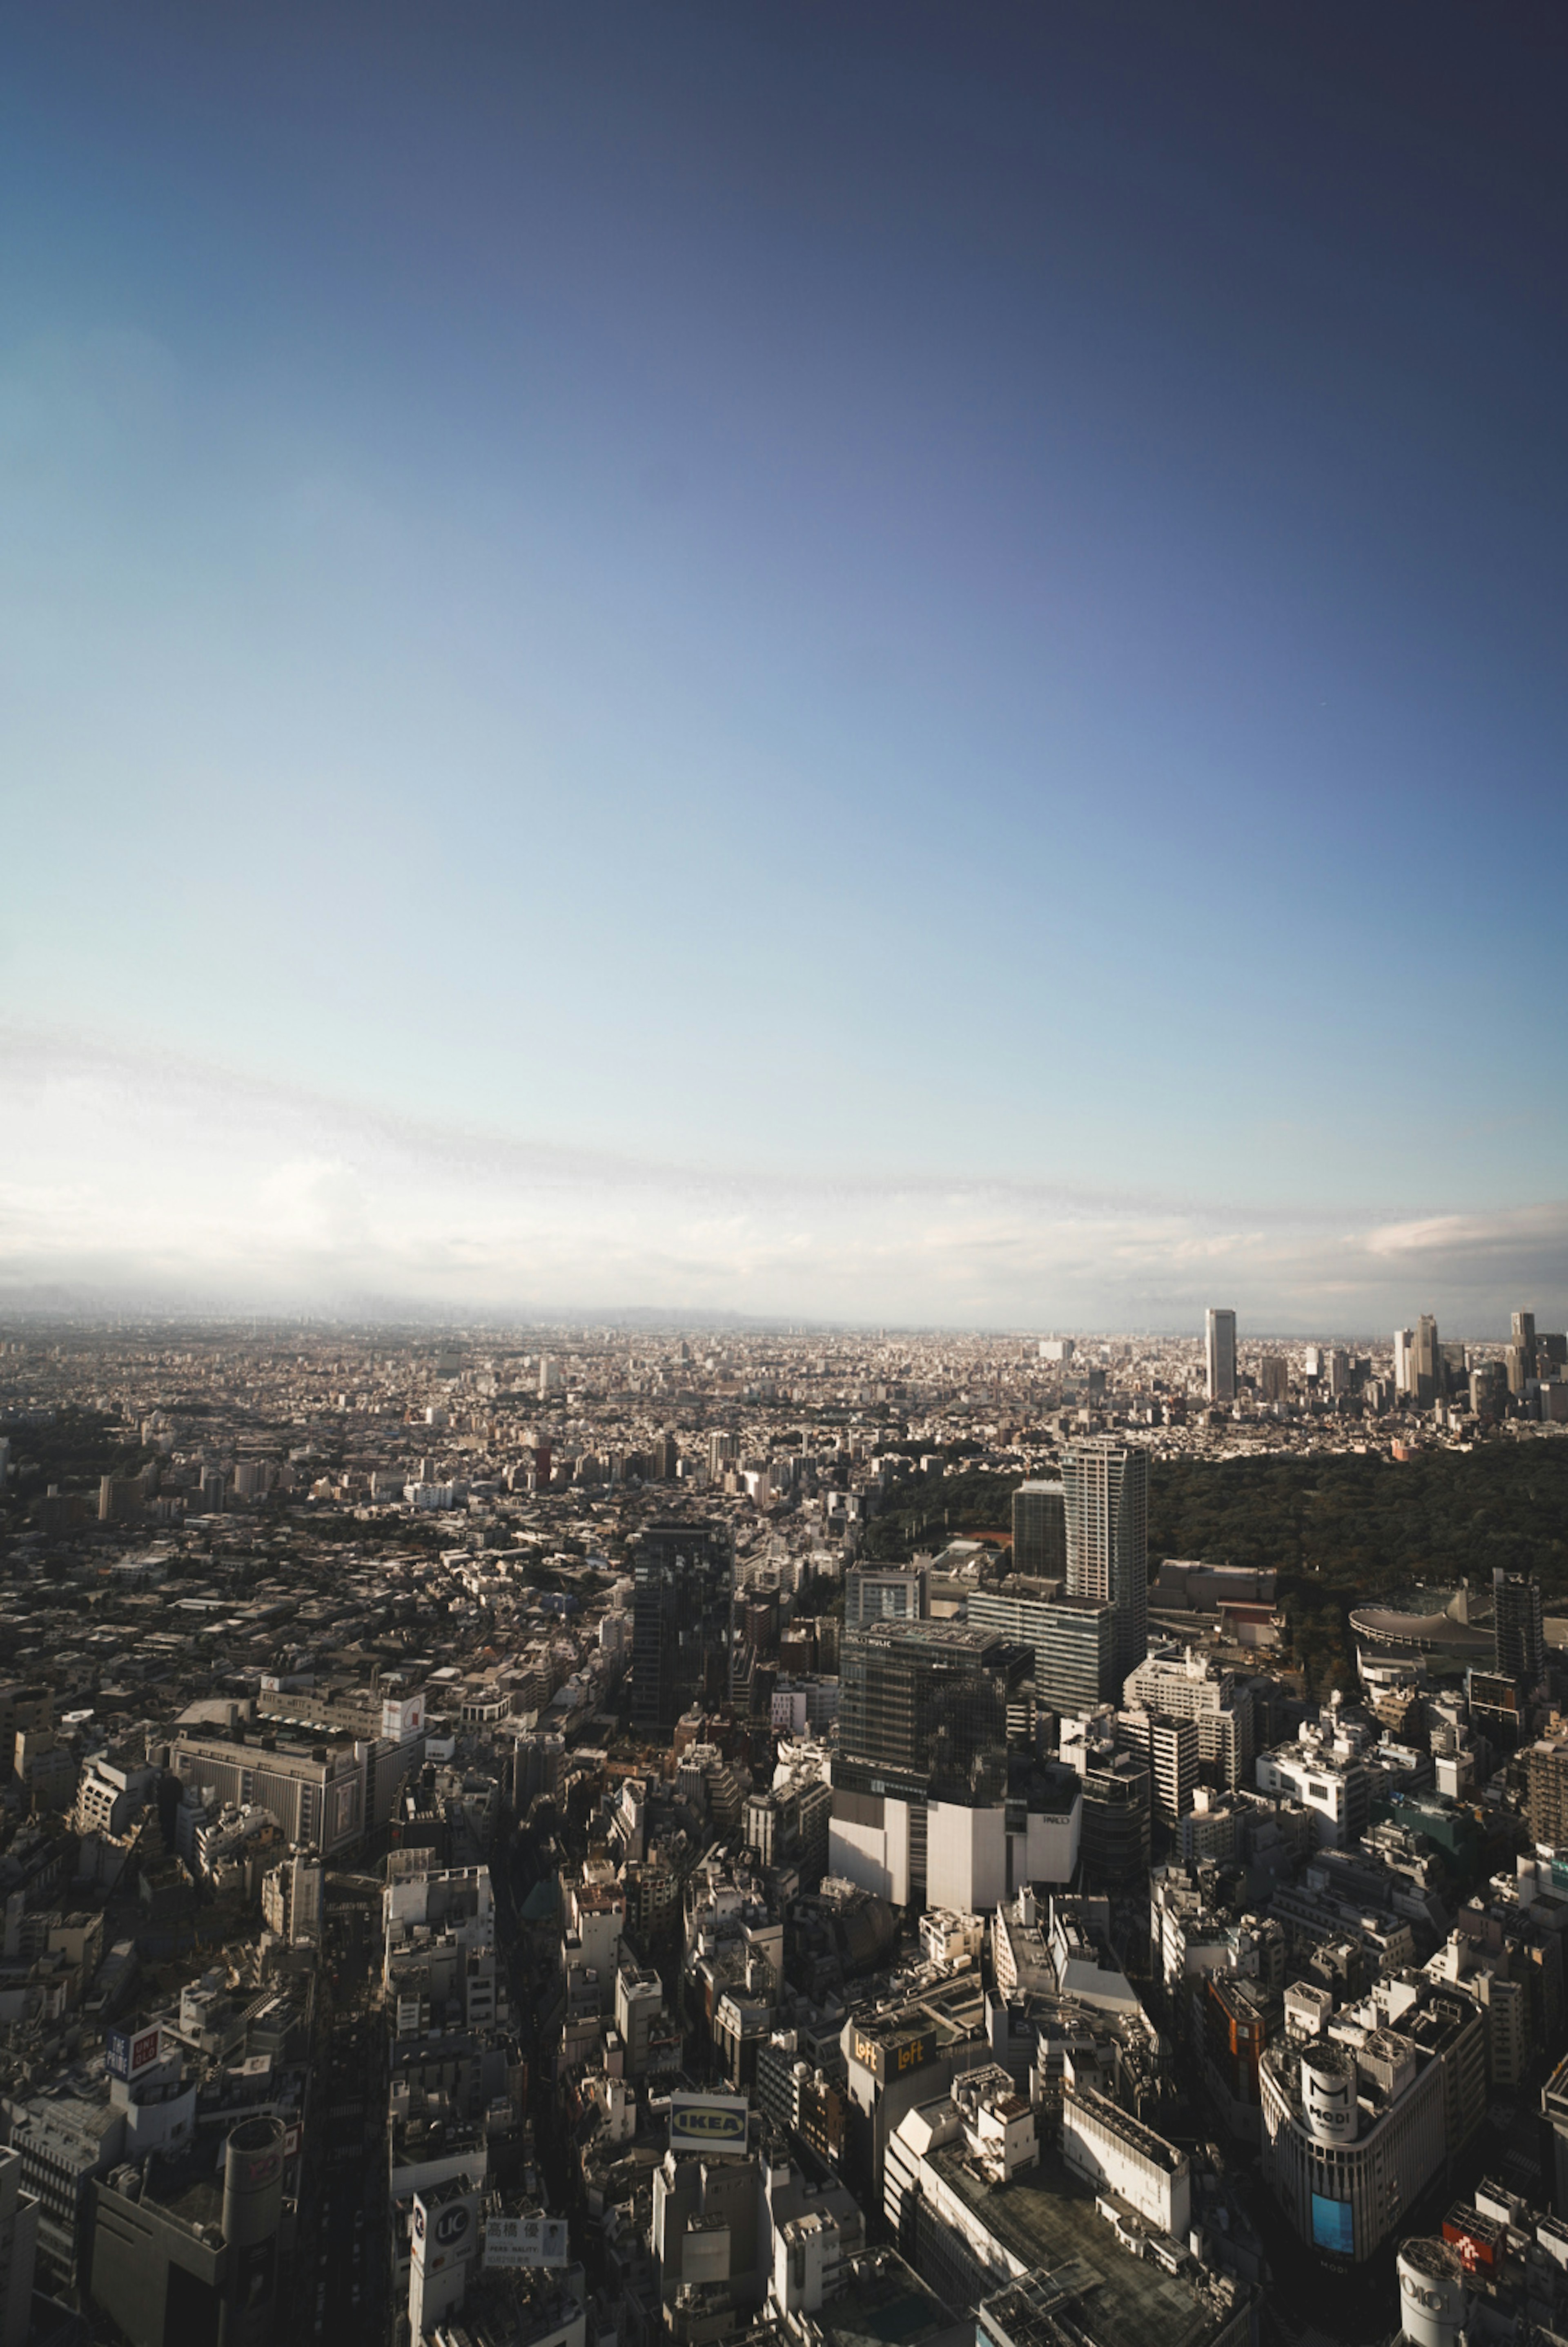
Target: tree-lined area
{"points": [[925, 1510], [1370, 1525], [1338, 1528], [1342, 1530]]}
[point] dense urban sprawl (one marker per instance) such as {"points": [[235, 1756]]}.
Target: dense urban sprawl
{"points": [[542, 1838]]}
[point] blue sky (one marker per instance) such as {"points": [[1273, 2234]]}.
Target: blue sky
{"points": [[836, 605]]}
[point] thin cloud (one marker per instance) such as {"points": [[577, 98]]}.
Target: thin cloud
{"points": [[134, 1176]]}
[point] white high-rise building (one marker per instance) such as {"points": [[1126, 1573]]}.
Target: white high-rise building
{"points": [[1219, 1346], [881, 1594], [1181, 1684]]}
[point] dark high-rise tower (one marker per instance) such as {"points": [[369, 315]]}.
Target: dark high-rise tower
{"points": [[1220, 1353], [922, 1708], [1517, 1626], [664, 1459], [1525, 1341], [683, 1599], [1039, 1530], [1108, 1493]]}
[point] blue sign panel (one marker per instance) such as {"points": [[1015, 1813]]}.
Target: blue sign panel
{"points": [[127, 2056], [1333, 2226]]}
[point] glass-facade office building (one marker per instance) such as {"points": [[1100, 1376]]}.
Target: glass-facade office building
{"points": [[1040, 1530], [1073, 1638], [922, 1709], [683, 1578]]}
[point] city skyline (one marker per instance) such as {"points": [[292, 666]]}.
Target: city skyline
{"points": [[804, 1751], [815, 664]]}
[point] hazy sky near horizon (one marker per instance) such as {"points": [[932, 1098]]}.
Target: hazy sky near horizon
{"points": [[898, 661]]}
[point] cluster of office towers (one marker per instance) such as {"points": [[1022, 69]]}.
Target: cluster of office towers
{"points": [[1425, 1368], [920, 1698], [1078, 1592], [1077, 1601]]}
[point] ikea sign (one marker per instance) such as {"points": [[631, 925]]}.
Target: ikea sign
{"points": [[708, 2122]]}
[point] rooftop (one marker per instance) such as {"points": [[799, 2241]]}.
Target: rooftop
{"points": [[1435, 1631], [959, 1639], [1046, 2219], [884, 2303], [1127, 2129]]}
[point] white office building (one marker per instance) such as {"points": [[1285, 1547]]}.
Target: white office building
{"points": [[1220, 1353], [1361, 2109]]}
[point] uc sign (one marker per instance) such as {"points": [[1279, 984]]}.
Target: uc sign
{"points": [[450, 2225]]}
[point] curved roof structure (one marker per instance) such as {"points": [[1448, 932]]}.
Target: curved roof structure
{"points": [[1427, 1634]]}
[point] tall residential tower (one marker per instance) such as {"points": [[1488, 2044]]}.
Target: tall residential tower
{"points": [[1106, 1484]]}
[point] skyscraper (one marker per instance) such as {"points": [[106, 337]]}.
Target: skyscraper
{"points": [[664, 1459], [1428, 1380], [1182, 1684], [1524, 1340], [925, 1704], [920, 1776], [1040, 1530], [1404, 1360], [1115, 1840], [1547, 1798], [1106, 1484], [1168, 1748], [683, 1583], [1219, 1345], [1517, 1626], [883, 1593], [1074, 1661]]}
